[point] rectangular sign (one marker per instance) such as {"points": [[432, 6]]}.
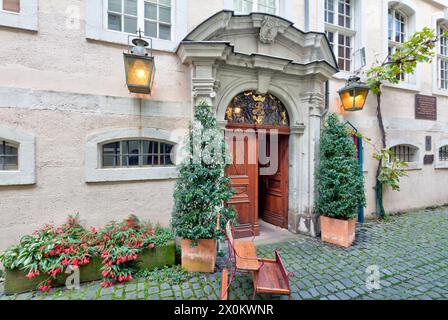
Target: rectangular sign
{"points": [[428, 159], [425, 107]]}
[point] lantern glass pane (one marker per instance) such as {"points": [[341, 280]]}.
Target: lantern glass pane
{"points": [[139, 72], [360, 98], [347, 100]]}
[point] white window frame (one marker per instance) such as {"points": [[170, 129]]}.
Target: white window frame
{"points": [[393, 45], [337, 30], [97, 27], [140, 155], [442, 58], [94, 172], [255, 7], [141, 18], [26, 173], [411, 11], [25, 19]]}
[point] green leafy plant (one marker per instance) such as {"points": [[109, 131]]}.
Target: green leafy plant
{"points": [[340, 185], [392, 169], [202, 187], [49, 250], [172, 275], [419, 48], [122, 243]]}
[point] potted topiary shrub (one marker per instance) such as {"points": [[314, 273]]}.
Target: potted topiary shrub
{"points": [[201, 190], [340, 185]]}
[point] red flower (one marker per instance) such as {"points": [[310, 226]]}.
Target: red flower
{"points": [[151, 245]]}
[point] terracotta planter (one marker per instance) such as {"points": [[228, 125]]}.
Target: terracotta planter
{"points": [[336, 231], [201, 258]]}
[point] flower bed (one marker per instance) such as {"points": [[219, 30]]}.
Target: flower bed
{"points": [[113, 254]]}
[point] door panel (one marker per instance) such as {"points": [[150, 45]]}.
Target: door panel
{"points": [[243, 174], [274, 188]]}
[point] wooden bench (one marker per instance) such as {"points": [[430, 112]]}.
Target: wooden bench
{"points": [[269, 275]]}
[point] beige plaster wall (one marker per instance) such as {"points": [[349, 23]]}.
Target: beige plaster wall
{"points": [[426, 186], [60, 59]]}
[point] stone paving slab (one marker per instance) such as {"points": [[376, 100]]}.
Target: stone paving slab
{"points": [[410, 252]]}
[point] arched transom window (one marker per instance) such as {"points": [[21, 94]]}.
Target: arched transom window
{"points": [[136, 153], [8, 155], [259, 109]]}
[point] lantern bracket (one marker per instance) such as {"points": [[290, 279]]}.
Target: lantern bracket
{"points": [[140, 41]]}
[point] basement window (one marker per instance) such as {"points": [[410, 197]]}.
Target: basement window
{"points": [[136, 153], [443, 153], [405, 153], [9, 158]]}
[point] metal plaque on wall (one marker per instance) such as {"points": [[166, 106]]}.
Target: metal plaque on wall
{"points": [[428, 159], [425, 107]]}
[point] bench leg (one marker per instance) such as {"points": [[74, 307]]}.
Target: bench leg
{"points": [[224, 284]]}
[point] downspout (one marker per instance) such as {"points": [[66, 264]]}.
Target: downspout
{"points": [[307, 15], [326, 100]]}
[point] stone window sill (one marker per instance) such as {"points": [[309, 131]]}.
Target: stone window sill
{"points": [[441, 165], [131, 174]]}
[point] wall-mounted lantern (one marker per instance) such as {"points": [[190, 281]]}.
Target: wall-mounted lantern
{"points": [[354, 94], [139, 65]]}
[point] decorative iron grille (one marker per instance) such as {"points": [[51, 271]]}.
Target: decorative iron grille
{"points": [[252, 108], [404, 153], [443, 153]]}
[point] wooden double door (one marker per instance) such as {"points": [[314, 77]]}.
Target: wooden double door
{"points": [[261, 186]]}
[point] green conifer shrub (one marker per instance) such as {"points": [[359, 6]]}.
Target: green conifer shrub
{"points": [[202, 188], [340, 185]]}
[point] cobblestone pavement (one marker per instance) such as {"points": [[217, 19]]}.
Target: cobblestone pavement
{"points": [[411, 252]]}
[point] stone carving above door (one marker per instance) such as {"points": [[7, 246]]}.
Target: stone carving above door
{"points": [[269, 30]]}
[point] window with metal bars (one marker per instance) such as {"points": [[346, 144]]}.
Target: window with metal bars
{"points": [[136, 153], [9, 159], [404, 153], [443, 153]]}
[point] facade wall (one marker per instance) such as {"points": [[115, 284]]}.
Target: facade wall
{"points": [[61, 86]]}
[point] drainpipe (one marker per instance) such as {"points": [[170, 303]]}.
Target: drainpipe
{"points": [[307, 15], [326, 100]]}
